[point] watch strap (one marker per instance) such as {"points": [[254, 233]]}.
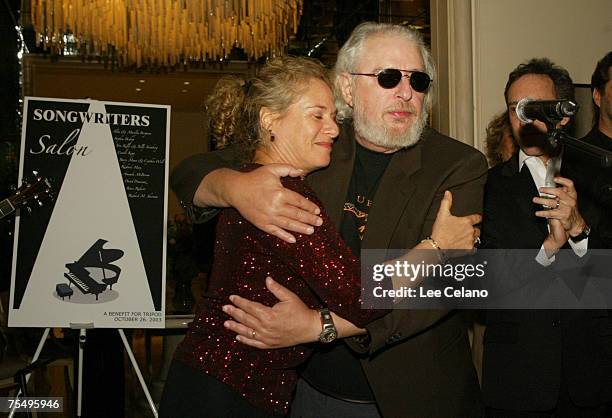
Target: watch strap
{"points": [[586, 231], [328, 329]]}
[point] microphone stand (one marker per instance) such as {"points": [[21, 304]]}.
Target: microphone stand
{"points": [[557, 136], [604, 156]]}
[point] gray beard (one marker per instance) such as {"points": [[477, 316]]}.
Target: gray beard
{"points": [[383, 137]]}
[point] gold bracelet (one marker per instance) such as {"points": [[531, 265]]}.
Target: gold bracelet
{"points": [[434, 244]]}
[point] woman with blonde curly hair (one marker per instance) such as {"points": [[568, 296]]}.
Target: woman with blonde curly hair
{"points": [[500, 144], [285, 114]]}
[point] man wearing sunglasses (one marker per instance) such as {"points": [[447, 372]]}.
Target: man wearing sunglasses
{"points": [[384, 188]]}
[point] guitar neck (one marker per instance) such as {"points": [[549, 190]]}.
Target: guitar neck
{"points": [[6, 208]]}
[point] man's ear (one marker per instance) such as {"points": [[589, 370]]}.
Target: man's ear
{"points": [[345, 88], [597, 97]]}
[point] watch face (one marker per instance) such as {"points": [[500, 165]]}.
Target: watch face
{"points": [[328, 335]]}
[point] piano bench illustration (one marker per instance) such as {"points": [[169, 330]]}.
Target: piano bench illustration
{"points": [[63, 290]]}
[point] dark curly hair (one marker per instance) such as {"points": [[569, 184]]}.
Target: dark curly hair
{"points": [[564, 86]]}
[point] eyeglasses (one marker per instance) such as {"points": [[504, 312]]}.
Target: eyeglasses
{"points": [[391, 77]]}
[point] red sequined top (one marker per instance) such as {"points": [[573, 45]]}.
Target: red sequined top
{"points": [[319, 268]]}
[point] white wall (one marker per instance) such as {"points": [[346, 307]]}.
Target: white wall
{"points": [[574, 34]]}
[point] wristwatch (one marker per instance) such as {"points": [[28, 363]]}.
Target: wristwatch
{"points": [[328, 331], [583, 235]]}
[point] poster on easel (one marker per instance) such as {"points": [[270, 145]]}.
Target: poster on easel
{"points": [[96, 254]]}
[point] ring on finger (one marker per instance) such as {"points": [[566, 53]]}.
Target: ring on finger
{"points": [[253, 334]]}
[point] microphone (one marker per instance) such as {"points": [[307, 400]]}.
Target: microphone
{"points": [[544, 110]]}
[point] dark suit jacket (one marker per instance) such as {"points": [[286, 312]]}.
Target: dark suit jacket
{"points": [[527, 352], [419, 363], [594, 183]]}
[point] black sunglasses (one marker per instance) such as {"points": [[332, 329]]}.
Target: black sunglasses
{"points": [[391, 77]]}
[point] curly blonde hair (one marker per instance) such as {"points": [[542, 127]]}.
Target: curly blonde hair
{"points": [[222, 106], [234, 106], [498, 126]]}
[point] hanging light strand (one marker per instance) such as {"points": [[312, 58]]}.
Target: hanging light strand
{"points": [[167, 32]]}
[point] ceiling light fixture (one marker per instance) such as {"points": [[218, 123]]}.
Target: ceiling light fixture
{"points": [[166, 32]]}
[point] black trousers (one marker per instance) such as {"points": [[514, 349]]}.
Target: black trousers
{"points": [[565, 408], [189, 393]]}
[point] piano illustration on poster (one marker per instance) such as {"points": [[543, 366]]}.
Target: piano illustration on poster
{"points": [[92, 274], [96, 254]]}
